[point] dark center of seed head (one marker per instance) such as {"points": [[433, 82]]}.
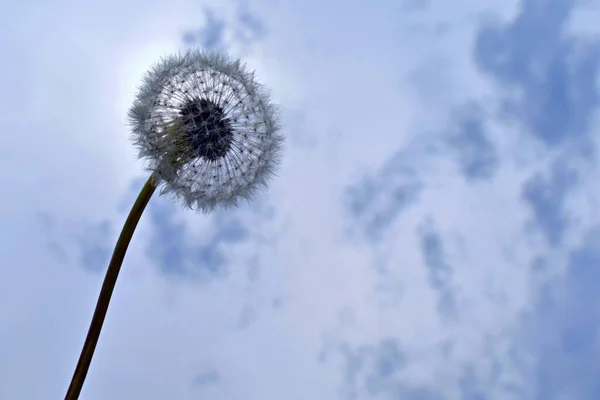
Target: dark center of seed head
{"points": [[207, 128]]}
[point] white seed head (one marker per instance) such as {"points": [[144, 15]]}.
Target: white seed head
{"points": [[207, 129]]}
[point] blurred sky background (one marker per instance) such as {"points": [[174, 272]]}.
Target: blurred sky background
{"points": [[433, 233]]}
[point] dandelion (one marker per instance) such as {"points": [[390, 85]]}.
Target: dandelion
{"points": [[209, 135]]}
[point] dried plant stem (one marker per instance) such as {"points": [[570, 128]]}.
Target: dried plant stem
{"points": [[112, 273]]}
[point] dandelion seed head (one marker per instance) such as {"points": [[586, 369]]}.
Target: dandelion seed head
{"points": [[207, 129]]}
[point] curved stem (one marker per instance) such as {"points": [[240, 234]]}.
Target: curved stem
{"points": [[112, 273]]}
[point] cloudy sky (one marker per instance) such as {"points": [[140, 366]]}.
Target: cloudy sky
{"points": [[433, 232]]}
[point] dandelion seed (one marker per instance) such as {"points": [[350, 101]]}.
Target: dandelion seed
{"points": [[207, 129]]}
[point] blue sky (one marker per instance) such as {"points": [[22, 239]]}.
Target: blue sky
{"points": [[433, 232]]}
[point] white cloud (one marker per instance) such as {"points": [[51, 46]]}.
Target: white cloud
{"points": [[296, 296]]}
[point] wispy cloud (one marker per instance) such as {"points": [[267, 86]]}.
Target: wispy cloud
{"points": [[548, 75], [434, 219]]}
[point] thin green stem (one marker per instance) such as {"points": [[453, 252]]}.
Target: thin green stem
{"points": [[112, 273]]}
